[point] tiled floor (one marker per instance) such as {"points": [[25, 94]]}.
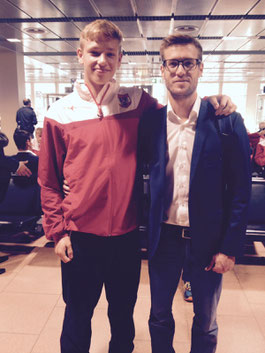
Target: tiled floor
{"points": [[31, 309]]}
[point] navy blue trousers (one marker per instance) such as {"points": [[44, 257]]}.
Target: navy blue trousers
{"points": [[110, 261], [165, 271]]}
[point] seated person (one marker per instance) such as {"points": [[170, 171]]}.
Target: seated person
{"points": [[8, 165], [260, 150], [254, 140], [23, 142], [36, 141]]}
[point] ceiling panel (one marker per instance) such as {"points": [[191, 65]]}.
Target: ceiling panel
{"points": [[153, 7], [132, 44], [76, 8], [261, 34], [15, 47], [37, 8], [209, 44], [114, 8], [61, 45], [191, 7], [249, 28], [254, 44], [71, 59], [37, 46], [209, 64], [258, 9], [215, 58], [233, 7], [231, 44], [8, 10], [138, 59], [49, 60], [155, 28], [8, 31], [236, 58], [63, 29], [256, 58], [218, 27], [153, 45], [253, 65], [48, 46], [129, 29], [73, 43]]}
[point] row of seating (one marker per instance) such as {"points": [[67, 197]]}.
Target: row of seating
{"points": [[21, 209], [256, 219]]}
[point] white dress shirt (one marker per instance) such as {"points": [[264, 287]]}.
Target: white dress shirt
{"points": [[180, 139]]}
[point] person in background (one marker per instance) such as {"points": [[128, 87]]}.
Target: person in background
{"points": [[90, 139], [26, 117], [260, 150], [200, 182], [23, 142], [37, 140], [9, 165], [254, 139]]}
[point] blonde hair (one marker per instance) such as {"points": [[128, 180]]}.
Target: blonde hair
{"points": [[100, 30], [38, 131], [180, 39]]}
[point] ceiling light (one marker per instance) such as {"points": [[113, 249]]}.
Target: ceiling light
{"points": [[13, 40], [35, 30], [186, 28], [236, 38]]}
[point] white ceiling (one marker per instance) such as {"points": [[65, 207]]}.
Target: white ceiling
{"points": [[232, 33]]}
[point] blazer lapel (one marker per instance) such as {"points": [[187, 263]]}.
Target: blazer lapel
{"points": [[200, 135]]}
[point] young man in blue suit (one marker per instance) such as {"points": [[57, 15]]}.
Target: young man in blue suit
{"points": [[199, 188]]}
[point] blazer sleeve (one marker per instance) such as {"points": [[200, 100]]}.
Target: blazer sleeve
{"points": [[34, 118], [50, 177], [9, 163], [237, 173]]}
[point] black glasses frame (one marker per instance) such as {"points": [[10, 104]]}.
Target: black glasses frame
{"points": [[182, 62]]}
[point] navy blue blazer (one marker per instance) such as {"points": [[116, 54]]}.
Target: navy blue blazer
{"points": [[220, 182]]}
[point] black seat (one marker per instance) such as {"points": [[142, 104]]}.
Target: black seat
{"points": [[20, 209], [256, 219]]}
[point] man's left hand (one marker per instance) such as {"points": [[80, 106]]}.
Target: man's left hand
{"points": [[221, 263], [222, 104]]}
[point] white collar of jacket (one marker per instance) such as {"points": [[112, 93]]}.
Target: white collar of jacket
{"points": [[85, 94]]}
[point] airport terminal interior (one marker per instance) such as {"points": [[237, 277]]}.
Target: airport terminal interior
{"points": [[38, 61]]}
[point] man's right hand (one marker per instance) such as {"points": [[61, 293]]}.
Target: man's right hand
{"points": [[23, 170], [63, 248]]}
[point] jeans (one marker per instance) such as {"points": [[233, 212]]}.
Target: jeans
{"points": [[164, 271]]}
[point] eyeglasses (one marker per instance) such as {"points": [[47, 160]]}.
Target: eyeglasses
{"points": [[187, 64]]}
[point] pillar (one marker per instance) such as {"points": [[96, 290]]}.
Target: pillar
{"points": [[251, 104], [12, 93]]}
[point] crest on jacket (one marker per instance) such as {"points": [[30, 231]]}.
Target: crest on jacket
{"points": [[125, 100]]}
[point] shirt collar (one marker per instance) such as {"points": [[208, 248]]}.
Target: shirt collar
{"points": [[27, 151], [192, 117]]}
